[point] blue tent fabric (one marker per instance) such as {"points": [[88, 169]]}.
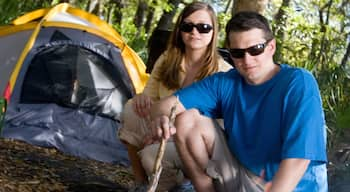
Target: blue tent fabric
{"points": [[71, 131]]}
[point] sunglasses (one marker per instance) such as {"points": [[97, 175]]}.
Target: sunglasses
{"points": [[253, 50], [201, 27]]}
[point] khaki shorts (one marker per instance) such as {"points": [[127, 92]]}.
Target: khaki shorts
{"points": [[172, 174], [133, 128], [133, 131], [227, 173]]}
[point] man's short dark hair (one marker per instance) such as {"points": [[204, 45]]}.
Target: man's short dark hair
{"points": [[247, 20]]}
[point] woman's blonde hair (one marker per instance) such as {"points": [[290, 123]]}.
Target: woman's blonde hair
{"points": [[176, 49]]}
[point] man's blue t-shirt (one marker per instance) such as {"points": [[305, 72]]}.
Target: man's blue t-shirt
{"points": [[264, 124]]}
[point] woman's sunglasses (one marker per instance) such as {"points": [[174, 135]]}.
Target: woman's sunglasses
{"points": [[253, 50], [201, 27]]}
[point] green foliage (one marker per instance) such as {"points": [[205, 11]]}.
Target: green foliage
{"points": [[12, 9], [319, 47], [163, 5], [81, 4], [343, 120], [222, 19], [137, 39]]}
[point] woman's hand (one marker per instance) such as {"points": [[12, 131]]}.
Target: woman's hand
{"points": [[142, 105]]}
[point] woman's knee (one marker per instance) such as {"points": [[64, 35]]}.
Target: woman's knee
{"points": [[127, 110], [133, 128]]}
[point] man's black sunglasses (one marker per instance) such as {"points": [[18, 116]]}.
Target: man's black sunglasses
{"points": [[253, 50], [201, 27]]}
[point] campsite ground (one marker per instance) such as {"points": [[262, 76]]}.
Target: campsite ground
{"points": [[27, 168]]}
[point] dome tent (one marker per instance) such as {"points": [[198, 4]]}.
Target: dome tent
{"points": [[66, 75]]}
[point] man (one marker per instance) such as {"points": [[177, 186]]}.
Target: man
{"points": [[273, 120]]}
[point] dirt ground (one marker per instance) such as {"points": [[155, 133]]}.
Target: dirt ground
{"points": [[27, 168]]}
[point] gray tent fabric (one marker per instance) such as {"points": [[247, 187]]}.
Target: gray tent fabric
{"points": [[72, 131], [70, 98]]}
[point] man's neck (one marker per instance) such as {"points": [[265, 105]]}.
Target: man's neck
{"points": [[268, 74]]}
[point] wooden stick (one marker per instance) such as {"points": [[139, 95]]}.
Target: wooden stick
{"points": [[157, 168]]}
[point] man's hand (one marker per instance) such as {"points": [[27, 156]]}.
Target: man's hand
{"points": [[162, 111], [162, 128]]}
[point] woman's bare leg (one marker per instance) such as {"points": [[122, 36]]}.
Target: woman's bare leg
{"points": [[138, 171]]}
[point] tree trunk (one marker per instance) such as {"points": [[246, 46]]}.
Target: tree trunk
{"points": [[101, 12], [140, 14], [278, 29], [345, 59], [157, 43], [119, 5], [93, 7], [228, 5], [320, 57], [165, 22], [280, 17], [110, 13], [252, 5], [149, 20]]}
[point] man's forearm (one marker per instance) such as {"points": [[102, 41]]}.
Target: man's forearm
{"points": [[289, 174], [163, 107]]}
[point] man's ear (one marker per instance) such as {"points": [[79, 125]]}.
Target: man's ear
{"points": [[271, 46]]}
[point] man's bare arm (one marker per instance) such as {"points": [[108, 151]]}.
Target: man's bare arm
{"points": [[289, 174], [160, 111]]}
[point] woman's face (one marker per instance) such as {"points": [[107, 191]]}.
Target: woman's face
{"points": [[197, 30]]}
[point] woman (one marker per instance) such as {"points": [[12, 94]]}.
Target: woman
{"points": [[191, 55]]}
